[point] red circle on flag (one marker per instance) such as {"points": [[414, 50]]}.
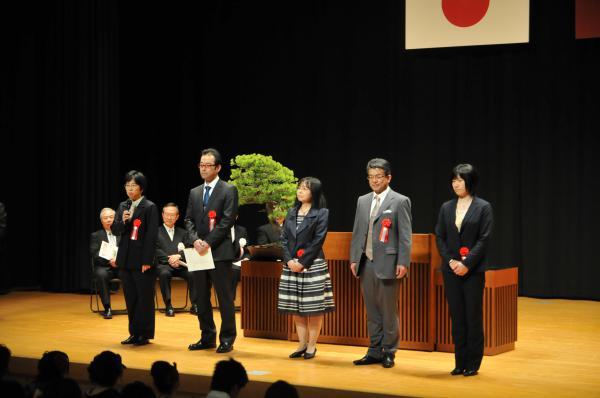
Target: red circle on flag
{"points": [[465, 13]]}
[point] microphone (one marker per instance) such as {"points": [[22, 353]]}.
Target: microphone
{"points": [[128, 204]]}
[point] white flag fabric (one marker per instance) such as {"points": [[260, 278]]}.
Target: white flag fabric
{"points": [[452, 23]]}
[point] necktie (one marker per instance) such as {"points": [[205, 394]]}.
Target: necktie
{"points": [[111, 239], [171, 233], [369, 246], [206, 195]]}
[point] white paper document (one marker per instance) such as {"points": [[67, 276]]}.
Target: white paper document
{"points": [[108, 251], [196, 262]]}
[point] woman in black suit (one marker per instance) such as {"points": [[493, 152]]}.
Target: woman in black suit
{"points": [[137, 223], [305, 286], [463, 229]]}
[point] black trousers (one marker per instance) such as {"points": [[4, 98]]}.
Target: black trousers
{"points": [[222, 279], [465, 300], [138, 288], [103, 275], [166, 273]]}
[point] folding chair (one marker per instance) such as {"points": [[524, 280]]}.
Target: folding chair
{"points": [[183, 308], [95, 293]]}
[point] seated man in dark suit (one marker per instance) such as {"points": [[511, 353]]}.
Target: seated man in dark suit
{"points": [[239, 236], [104, 270], [168, 256], [270, 233]]}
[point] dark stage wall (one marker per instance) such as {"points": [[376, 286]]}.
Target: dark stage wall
{"points": [[92, 89]]}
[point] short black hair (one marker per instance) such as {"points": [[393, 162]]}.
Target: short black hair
{"points": [[105, 369], [165, 376], [5, 355], [138, 177], [316, 191], [468, 173], [280, 389], [137, 389], [61, 388], [52, 365], [378, 163], [214, 152], [227, 375]]}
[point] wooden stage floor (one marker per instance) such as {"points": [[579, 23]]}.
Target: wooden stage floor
{"points": [[557, 353]]}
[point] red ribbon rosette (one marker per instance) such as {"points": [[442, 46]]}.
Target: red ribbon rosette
{"points": [[136, 226], [300, 253], [212, 215], [464, 252], [385, 230]]}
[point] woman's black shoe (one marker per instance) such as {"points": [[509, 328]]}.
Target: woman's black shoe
{"points": [[457, 371], [472, 372], [310, 355], [297, 354]]}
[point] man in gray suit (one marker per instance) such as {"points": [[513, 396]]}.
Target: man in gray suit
{"points": [[380, 256]]}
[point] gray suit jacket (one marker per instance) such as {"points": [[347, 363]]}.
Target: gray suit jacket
{"points": [[396, 251]]}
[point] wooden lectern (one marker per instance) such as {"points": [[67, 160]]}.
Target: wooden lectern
{"points": [[347, 324], [422, 308]]}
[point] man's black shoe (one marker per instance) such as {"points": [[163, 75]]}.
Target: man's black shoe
{"points": [[388, 360], [140, 341], [129, 340], [224, 347], [170, 311], [201, 346], [366, 360]]}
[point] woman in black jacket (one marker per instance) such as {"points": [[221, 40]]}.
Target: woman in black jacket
{"points": [[137, 223], [463, 229], [305, 286]]}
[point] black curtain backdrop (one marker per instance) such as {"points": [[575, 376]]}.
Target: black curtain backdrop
{"points": [[92, 89]]}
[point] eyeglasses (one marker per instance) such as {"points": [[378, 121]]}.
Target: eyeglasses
{"points": [[206, 165], [376, 177], [131, 185]]}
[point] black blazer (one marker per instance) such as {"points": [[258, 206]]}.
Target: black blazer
{"points": [[224, 201], [166, 247], [268, 233], [309, 236], [96, 239], [474, 234], [133, 254]]}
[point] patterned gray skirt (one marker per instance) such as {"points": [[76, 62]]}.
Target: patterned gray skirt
{"points": [[306, 293]]}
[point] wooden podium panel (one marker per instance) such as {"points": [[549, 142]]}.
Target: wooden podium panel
{"points": [[347, 324], [499, 312], [260, 318]]}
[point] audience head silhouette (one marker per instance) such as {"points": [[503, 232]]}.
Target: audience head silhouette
{"points": [[165, 376], [229, 376], [281, 389], [137, 389], [4, 360], [62, 388], [105, 369], [53, 365]]}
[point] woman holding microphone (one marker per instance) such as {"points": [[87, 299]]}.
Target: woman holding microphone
{"points": [[137, 223]]}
